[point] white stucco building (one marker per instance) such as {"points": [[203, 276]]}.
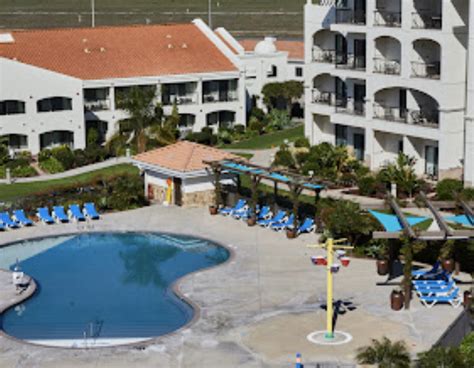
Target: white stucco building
{"points": [[55, 84], [384, 76]]}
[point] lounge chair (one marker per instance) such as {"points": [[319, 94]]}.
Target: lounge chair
{"points": [[434, 289], [19, 216], [75, 213], [244, 213], [60, 214], [226, 211], [2, 226], [7, 221], [90, 211], [279, 217], [453, 298], [307, 226], [427, 273], [280, 226], [44, 216]]}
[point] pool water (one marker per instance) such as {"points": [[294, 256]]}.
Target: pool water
{"points": [[108, 285]]}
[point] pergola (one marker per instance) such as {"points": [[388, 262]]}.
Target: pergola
{"points": [[296, 183]]}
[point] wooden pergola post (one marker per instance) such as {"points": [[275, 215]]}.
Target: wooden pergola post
{"points": [[255, 180], [275, 197], [217, 185], [317, 197], [295, 190]]}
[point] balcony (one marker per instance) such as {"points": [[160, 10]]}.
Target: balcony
{"points": [[97, 105], [384, 18], [324, 56], [184, 99], [421, 117], [425, 70], [385, 66], [220, 96], [350, 16], [351, 107], [323, 97], [351, 61], [427, 19]]}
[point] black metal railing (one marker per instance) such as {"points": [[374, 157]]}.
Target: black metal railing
{"points": [[351, 107], [350, 61], [324, 56], [428, 117]]}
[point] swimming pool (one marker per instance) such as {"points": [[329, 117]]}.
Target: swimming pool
{"points": [[105, 285]]}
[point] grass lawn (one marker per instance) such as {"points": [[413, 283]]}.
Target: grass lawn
{"points": [[247, 156], [13, 191], [269, 140]]}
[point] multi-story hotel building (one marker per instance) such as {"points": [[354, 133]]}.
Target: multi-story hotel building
{"points": [[390, 76]]}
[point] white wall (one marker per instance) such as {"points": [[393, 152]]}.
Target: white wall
{"points": [[23, 82]]}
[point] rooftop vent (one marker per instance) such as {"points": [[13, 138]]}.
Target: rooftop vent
{"points": [[6, 38], [87, 51], [170, 46], [184, 46], [168, 36], [102, 49]]}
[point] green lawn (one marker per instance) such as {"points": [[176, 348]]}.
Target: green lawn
{"points": [[269, 140], [13, 191]]}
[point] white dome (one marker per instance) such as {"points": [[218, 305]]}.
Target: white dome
{"points": [[265, 47]]}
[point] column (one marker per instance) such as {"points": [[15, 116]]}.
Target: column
{"points": [[369, 147]]}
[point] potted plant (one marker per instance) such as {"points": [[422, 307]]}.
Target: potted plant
{"points": [[380, 252], [291, 233], [213, 210], [446, 255], [251, 221], [396, 299]]}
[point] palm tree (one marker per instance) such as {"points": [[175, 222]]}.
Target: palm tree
{"points": [[384, 354], [167, 132], [402, 172], [451, 357], [139, 103]]}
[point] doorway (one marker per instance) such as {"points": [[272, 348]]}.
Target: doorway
{"points": [[178, 196]]}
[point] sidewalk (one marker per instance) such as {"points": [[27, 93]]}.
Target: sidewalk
{"points": [[73, 172]]}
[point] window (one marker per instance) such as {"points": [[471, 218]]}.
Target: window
{"points": [[400, 146], [54, 104], [10, 107], [299, 71], [341, 135], [272, 71], [431, 161]]}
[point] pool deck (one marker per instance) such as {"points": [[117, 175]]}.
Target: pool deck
{"points": [[9, 295], [255, 311]]}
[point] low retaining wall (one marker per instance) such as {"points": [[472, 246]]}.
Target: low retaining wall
{"points": [[455, 333]]}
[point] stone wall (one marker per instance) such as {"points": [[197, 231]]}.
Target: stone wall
{"points": [[159, 194], [199, 199]]}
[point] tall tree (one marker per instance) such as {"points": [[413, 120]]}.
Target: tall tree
{"points": [[143, 111]]}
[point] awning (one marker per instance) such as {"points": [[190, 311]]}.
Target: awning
{"points": [[464, 220], [391, 223]]}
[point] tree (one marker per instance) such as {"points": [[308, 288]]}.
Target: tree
{"points": [[402, 173], [139, 103], [384, 354], [288, 92], [167, 132], [440, 357]]}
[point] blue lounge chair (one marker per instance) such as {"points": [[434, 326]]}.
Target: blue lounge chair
{"points": [[452, 298], [307, 226], [434, 288], [7, 221], [288, 224], [279, 217], [75, 213], [241, 205], [244, 213], [60, 214], [427, 273], [19, 215], [90, 211], [2, 226], [44, 215]]}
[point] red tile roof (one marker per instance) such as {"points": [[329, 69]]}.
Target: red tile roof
{"points": [[184, 156], [118, 52], [295, 49]]}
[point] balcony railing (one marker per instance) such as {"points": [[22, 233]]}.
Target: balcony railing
{"points": [[386, 66], [384, 18], [350, 16], [426, 20], [350, 61], [351, 107], [324, 56], [421, 69], [228, 96], [97, 105], [324, 98], [186, 99], [428, 117]]}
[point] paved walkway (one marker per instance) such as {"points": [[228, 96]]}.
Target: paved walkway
{"points": [[73, 172], [255, 311]]}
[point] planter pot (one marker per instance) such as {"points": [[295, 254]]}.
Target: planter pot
{"points": [[319, 261], [382, 267], [345, 261], [291, 234], [467, 302], [213, 210], [396, 300], [448, 265], [251, 222]]}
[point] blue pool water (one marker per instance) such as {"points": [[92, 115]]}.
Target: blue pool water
{"points": [[111, 285]]}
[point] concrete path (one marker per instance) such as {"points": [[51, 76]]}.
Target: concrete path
{"points": [[73, 172], [255, 311]]}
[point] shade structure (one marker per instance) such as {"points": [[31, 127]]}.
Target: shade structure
{"points": [[391, 223]]}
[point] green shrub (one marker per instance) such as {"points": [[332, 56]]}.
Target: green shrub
{"points": [[257, 113], [447, 188], [4, 155], [205, 136], [127, 193], [468, 194], [284, 158], [256, 125], [24, 172], [64, 155], [44, 155], [24, 155], [302, 142], [51, 165], [95, 153], [92, 137], [225, 136], [367, 185], [239, 129], [278, 120]]}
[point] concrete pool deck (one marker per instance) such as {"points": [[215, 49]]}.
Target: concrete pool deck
{"points": [[255, 311]]}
